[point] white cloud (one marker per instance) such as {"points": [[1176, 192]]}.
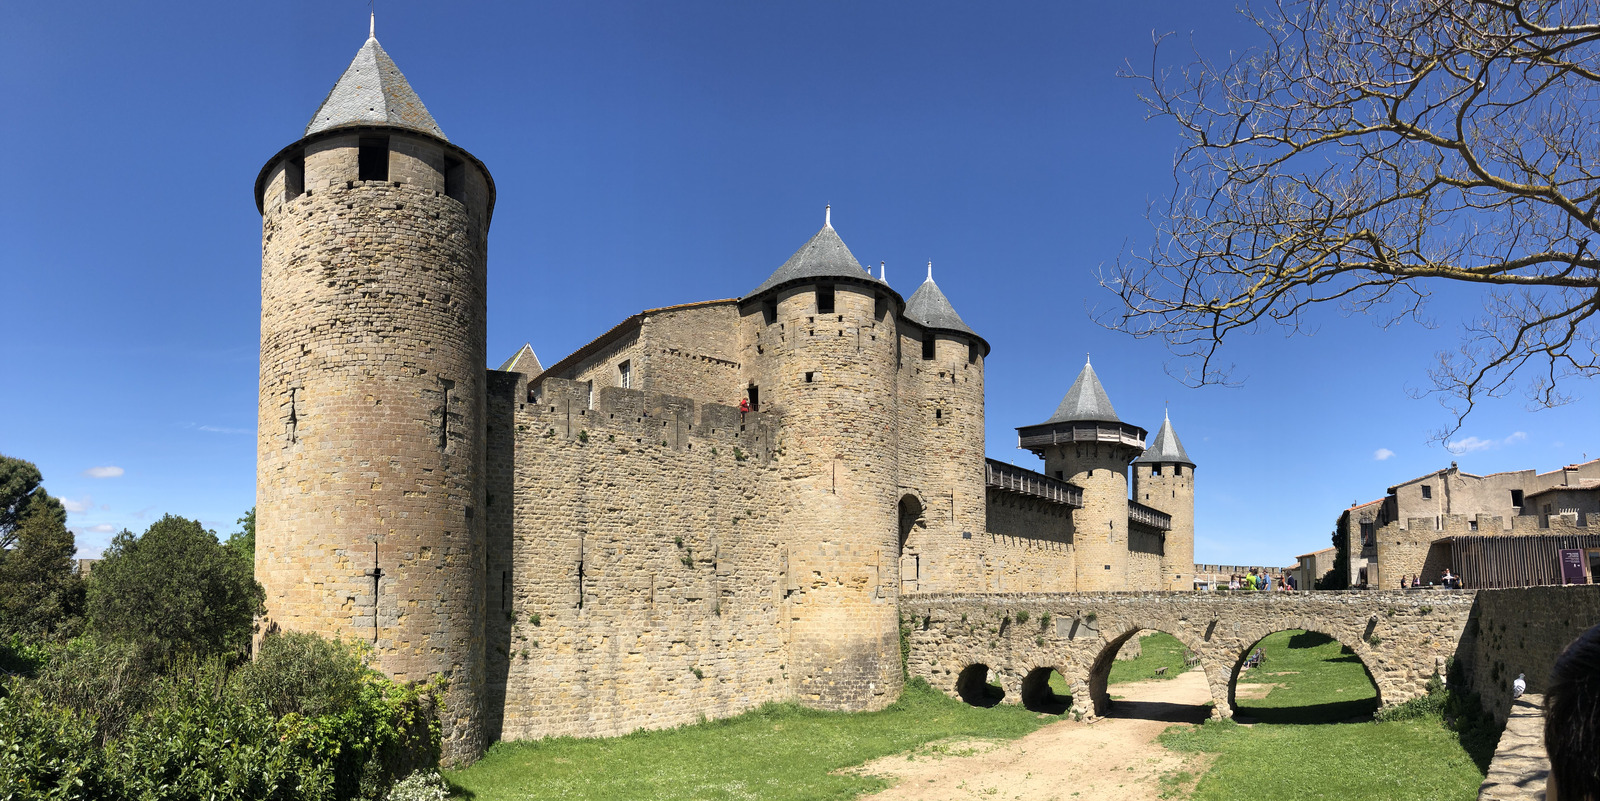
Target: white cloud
{"points": [[1382, 454], [221, 430], [78, 507], [1471, 444], [103, 528], [107, 471]]}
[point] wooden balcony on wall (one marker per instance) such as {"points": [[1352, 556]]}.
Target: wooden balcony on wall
{"points": [[1010, 478]]}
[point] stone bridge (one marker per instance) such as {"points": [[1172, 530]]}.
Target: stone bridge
{"points": [[1402, 638]]}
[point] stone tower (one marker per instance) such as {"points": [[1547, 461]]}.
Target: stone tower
{"points": [[1164, 478], [943, 406], [1084, 443], [821, 336], [370, 437]]}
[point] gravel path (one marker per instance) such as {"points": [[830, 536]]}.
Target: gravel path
{"points": [[1116, 758]]}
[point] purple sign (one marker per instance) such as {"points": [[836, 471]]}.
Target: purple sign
{"points": [[1572, 566]]}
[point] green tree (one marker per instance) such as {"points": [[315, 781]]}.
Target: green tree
{"points": [[39, 594], [243, 542], [176, 590], [19, 490]]}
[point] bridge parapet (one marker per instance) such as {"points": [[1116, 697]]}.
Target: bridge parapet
{"points": [[1402, 638]]}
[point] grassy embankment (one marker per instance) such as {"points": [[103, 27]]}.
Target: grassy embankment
{"points": [[780, 751], [1319, 683]]}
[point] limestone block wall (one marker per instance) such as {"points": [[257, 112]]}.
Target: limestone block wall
{"points": [[647, 565], [1170, 488], [694, 351], [941, 405], [1402, 638], [1407, 550], [1522, 631], [370, 435]]}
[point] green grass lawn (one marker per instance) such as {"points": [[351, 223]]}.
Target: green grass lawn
{"points": [[780, 751], [1320, 681], [1295, 753], [1159, 651]]}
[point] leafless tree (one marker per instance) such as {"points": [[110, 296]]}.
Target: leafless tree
{"points": [[1365, 151]]}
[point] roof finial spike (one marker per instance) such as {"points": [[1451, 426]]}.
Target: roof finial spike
{"points": [[827, 216], [930, 269], [1085, 360], [372, 25], [883, 271]]}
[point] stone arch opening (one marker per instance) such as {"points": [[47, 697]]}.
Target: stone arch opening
{"points": [[1045, 690], [1167, 689], [910, 513], [974, 686], [1302, 676]]}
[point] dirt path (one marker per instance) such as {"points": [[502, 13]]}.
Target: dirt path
{"points": [[1115, 758]]}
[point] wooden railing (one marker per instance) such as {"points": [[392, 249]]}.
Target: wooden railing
{"points": [[1011, 478], [1144, 515]]}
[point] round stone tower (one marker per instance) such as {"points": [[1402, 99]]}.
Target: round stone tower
{"points": [[370, 437], [1084, 443], [820, 345], [1164, 478], [942, 398]]}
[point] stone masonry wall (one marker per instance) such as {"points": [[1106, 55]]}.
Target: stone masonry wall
{"points": [[1408, 550], [1522, 631], [648, 571]]}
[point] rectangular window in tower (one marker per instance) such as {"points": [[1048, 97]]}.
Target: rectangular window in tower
{"points": [[445, 386], [810, 376], [1155, 470], [972, 353], [824, 299], [880, 307], [938, 414], [372, 159], [625, 374], [455, 179], [1427, 491], [928, 347], [294, 178], [769, 312], [1177, 469], [754, 394], [1516, 498]]}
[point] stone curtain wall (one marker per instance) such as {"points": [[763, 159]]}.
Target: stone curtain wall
{"points": [[1522, 631], [647, 569], [1402, 638]]}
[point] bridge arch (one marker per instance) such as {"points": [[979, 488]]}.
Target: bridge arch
{"points": [[974, 687], [1118, 636], [1037, 695], [1307, 628]]}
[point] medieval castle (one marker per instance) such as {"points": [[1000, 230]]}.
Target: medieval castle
{"points": [[710, 506]]}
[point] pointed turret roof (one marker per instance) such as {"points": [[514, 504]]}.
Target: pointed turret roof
{"points": [[372, 91], [524, 361], [1086, 400], [929, 308], [1166, 448], [823, 256]]}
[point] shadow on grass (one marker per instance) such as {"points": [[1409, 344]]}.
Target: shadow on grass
{"points": [[457, 791], [1159, 711], [1358, 711]]}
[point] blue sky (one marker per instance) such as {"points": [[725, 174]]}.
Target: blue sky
{"points": [[648, 154]]}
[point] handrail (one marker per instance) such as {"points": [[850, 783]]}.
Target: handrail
{"points": [[1010, 478]]}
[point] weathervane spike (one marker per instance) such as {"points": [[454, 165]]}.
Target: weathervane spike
{"points": [[372, 25], [827, 216], [883, 271], [930, 269]]}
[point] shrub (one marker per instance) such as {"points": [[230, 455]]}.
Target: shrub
{"points": [[110, 683], [175, 589], [45, 751], [303, 674], [420, 786], [1022, 616]]}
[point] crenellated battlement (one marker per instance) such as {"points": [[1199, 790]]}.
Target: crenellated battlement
{"points": [[565, 409]]}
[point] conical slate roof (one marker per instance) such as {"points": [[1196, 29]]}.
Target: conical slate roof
{"points": [[1166, 448], [373, 92], [1087, 400], [824, 256], [929, 308]]}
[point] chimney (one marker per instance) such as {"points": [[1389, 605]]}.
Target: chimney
{"points": [[1569, 475]]}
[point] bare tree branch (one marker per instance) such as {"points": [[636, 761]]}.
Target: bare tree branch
{"points": [[1366, 149]]}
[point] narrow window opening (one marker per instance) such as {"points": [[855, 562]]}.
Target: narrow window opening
{"points": [[938, 414], [972, 353], [1177, 469], [1516, 498], [824, 300], [625, 374], [1155, 470], [769, 312], [1472, 525], [455, 179], [372, 160], [928, 347], [1427, 491], [294, 178], [809, 376], [880, 307], [444, 414], [293, 423], [753, 392]]}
